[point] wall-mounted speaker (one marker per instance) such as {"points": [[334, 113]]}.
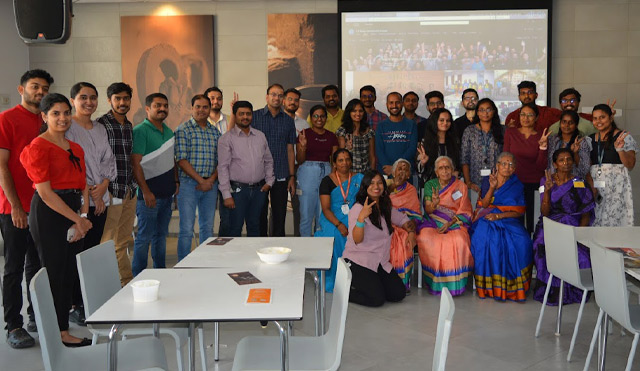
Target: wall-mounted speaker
{"points": [[43, 21]]}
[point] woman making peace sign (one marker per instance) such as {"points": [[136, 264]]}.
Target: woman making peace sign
{"points": [[369, 241]]}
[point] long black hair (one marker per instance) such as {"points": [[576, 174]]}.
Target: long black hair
{"points": [[384, 202], [431, 143], [496, 126], [347, 122], [606, 109], [575, 118]]}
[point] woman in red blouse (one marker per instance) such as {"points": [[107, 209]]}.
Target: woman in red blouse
{"points": [[56, 167], [524, 143]]}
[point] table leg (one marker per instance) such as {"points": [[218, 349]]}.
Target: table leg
{"points": [[316, 285], [192, 346], [284, 347], [216, 341], [112, 348], [322, 302], [156, 330], [604, 332], [560, 300], [290, 328]]}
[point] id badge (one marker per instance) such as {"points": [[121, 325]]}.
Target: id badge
{"points": [[485, 172], [599, 183], [345, 209], [456, 195]]}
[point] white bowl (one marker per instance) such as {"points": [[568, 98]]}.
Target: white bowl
{"points": [[274, 255], [145, 290]]}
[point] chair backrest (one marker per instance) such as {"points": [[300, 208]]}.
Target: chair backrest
{"points": [[334, 337], [48, 329], [610, 283], [445, 320], [99, 277], [562, 251]]}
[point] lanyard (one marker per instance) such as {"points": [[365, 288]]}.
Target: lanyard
{"points": [[486, 142], [600, 154], [344, 194]]}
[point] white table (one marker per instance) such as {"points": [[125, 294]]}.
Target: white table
{"points": [[311, 253], [610, 237], [207, 295]]}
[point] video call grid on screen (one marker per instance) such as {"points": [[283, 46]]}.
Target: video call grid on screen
{"points": [[488, 50]]}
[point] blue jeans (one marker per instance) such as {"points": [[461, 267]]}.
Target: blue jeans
{"points": [[249, 203], [189, 199], [309, 176], [153, 227], [224, 215]]}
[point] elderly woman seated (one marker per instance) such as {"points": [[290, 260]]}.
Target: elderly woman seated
{"points": [[443, 240], [500, 244], [404, 198]]}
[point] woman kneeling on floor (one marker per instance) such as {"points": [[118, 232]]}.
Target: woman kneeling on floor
{"points": [[369, 241]]}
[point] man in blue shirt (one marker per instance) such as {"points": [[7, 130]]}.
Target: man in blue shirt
{"points": [[396, 137], [280, 131], [196, 152]]}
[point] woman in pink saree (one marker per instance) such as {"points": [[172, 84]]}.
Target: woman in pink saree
{"points": [[404, 197], [443, 239]]}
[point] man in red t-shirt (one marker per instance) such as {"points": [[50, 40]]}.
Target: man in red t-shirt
{"points": [[18, 127], [527, 94]]}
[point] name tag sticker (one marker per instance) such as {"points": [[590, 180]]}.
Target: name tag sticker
{"points": [[299, 191], [485, 172], [456, 195], [541, 189], [345, 209], [598, 183], [578, 184]]}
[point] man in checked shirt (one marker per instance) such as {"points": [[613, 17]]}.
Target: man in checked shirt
{"points": [[122, 212]]}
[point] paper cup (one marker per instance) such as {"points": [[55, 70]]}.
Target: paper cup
{"points": [[145, 290]]}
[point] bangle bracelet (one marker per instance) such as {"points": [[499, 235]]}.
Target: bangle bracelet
{"points": [[359, 224]]}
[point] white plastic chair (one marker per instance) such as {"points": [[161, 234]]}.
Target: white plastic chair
{"points": [[99, 281], [445, 320], [562, 262], [305, 352], [612, 296], [138, 354]]}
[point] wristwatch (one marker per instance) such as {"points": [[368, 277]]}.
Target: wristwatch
{"points": [[83, 215]]}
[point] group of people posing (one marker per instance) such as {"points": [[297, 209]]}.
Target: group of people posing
{"points": [[378, 184]]}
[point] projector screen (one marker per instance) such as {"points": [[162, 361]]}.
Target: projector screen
{"points": [[488, 50]]}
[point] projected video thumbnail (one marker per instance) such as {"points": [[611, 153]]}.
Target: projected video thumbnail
{"points": [[490, 51]]}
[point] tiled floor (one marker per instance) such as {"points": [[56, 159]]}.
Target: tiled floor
{"points": [[486, 335]]}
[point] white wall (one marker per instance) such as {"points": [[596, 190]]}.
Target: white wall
{"points": [[16, 55]]}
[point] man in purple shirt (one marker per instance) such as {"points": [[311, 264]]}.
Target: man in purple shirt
{"points": [[245, 171], [368, 98]]}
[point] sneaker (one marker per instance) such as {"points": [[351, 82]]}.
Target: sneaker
{"points": [[20, 338], [77, 316], [31, 326]]}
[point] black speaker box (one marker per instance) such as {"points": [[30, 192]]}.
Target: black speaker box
{"points": [[43, 21]]}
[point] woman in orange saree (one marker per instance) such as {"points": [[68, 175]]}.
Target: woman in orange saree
{"points": [[404, 197], [443, 240]]}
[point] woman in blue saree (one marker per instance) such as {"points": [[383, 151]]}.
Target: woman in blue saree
{"points": [[500, 244], [337, 194], [565, 199]]}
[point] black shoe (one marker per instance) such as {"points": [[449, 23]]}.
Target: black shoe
{"points": [[31, 326], [263, 324], [83, 343], [20, 338], [77, 316]]}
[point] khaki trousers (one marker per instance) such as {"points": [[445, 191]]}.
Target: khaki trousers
{"points": [[119, 228]]}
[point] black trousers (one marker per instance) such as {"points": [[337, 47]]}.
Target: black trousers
{"points": [[278, 196], [20, 257], [529, 193], [372, 289], [49, 231], [91, 239]]}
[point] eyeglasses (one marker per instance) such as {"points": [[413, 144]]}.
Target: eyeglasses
{"points": [[565, 101], [370, 96], [527, 92], [507, 164], [471, 99], [527, 115], [276, 95], [485, 110], [315, 117]]}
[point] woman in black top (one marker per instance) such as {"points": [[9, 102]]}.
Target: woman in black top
{"points": [[439, 140]]}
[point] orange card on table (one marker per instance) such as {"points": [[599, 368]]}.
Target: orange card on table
{"points": [[262, 296]]}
